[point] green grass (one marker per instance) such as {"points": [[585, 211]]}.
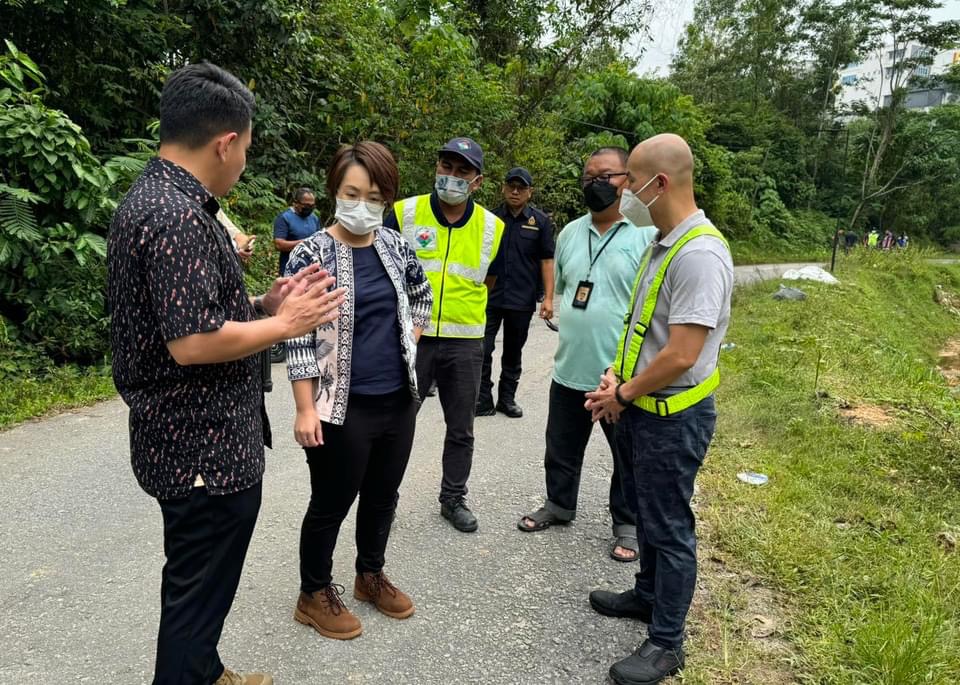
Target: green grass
{"points": [[847, 526], [745, 252], [26, 397]]}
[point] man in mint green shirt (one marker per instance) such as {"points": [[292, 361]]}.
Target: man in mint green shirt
{"points": [[597, 258]]}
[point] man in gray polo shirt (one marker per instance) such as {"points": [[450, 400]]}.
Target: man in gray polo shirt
{"points": [[659, 391]]}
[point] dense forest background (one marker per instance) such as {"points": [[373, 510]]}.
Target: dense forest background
{"points": [[753, 87]]}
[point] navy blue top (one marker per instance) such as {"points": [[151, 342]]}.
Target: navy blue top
{"points": [[527, 241], [292, 226], [377, 366]]}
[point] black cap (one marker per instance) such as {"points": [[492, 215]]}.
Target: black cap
{"points": [[520, 173], [468, 149]]}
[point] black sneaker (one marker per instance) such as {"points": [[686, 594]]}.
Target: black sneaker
{"points": [[484, 408], [621, 605], [648, 665], [509, 408], [459, 515]]}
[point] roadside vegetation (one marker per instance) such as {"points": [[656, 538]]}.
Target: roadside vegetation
{"points": [[839, 400]]}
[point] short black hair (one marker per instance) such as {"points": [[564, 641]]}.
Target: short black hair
{"points": [[623, 153], [201, 101], [302, 193]]}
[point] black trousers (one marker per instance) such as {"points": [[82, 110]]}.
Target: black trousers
{"points": [[205, 539], [516, 326], [454, 363], [368, 456], [568, 431]]}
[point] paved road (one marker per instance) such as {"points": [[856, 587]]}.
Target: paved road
{"points": [[82, 553]]}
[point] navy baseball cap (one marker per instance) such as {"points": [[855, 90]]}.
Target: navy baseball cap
{"points": [[468, 149], [518, 172]]}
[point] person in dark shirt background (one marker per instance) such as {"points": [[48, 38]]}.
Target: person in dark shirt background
{"points": [[523, 265], [185, 339], [294, 224]]}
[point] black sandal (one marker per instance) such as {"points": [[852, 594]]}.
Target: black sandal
{"points": [[542, 519]]}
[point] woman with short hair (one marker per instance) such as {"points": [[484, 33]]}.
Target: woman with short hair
{"points": [[355, 387]]}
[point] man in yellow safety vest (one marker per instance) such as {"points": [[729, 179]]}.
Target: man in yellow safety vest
{"points": [[659, 390], [455, 239]]}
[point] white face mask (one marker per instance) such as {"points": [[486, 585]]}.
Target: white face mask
{"points": [[359, 217], [452, 189], [633, 209]]}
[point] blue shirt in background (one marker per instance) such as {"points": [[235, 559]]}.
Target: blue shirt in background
{"points": [[376, 365], [292, 226], [588, 337]]}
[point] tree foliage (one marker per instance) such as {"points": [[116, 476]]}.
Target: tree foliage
{"points": [[753, 88]]}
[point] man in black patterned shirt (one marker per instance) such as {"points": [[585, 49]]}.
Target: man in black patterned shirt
{"points": [[185, 340]]}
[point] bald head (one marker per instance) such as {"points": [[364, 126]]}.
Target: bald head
{"points": [[666, 153]]}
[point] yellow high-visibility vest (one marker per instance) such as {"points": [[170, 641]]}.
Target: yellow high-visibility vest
{"points": [[456, 261], [628, 348]]}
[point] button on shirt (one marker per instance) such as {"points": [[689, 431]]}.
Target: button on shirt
{"points": [[172, 272], [588, 337], [527, 241], [696, 289]]}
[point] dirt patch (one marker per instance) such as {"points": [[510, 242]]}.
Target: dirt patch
{"points": [[869, 415], [736, 627], [950, 362]]}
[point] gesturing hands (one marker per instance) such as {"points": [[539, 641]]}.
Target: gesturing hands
{"points": [[304, 301], [283, 286]]}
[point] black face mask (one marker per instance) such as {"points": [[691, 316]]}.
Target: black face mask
{"points": [[599, 195], [305, 211]]}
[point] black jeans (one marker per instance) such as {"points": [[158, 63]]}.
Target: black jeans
{"points": [[205, 540], [368, 456], [666, 454], [454, 363], [568, 431], [516, 327]]}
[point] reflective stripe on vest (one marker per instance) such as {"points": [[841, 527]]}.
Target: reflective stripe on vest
{"points": [[456, 263], [628, 347]]}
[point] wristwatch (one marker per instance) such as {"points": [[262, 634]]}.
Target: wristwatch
{"points": [[620, 398], [258, 306]]}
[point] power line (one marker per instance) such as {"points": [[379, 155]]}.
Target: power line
{"points": [[602, 128]]}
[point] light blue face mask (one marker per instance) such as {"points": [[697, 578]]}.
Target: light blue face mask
{"points": [[452, 189]]}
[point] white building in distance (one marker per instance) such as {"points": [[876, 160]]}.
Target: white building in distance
{"points": [[868, 82]]}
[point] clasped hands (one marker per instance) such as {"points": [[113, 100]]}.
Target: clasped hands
{"points": [[602, 403]]}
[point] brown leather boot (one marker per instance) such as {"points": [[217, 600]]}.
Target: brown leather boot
{"points": [[389, 600], [327, 614], [228, 677]]}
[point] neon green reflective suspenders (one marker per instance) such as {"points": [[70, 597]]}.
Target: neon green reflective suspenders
{"points": [[628, 349]]}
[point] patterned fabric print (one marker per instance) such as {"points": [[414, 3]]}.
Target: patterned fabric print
{"points": [[307, 354], [172, 272]]}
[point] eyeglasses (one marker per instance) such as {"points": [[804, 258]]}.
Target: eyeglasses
{"points": [[516, 187], [603, 178]]}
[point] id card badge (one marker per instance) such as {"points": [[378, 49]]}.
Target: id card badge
{"points": [[581, 296]]}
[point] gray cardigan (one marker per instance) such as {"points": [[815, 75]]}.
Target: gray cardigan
{"points": [[324, 354]]}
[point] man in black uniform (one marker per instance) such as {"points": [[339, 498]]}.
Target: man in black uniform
{"points": [[523, 263]]}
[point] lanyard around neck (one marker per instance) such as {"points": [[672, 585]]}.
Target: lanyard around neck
{"points": [[593, 260]]}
